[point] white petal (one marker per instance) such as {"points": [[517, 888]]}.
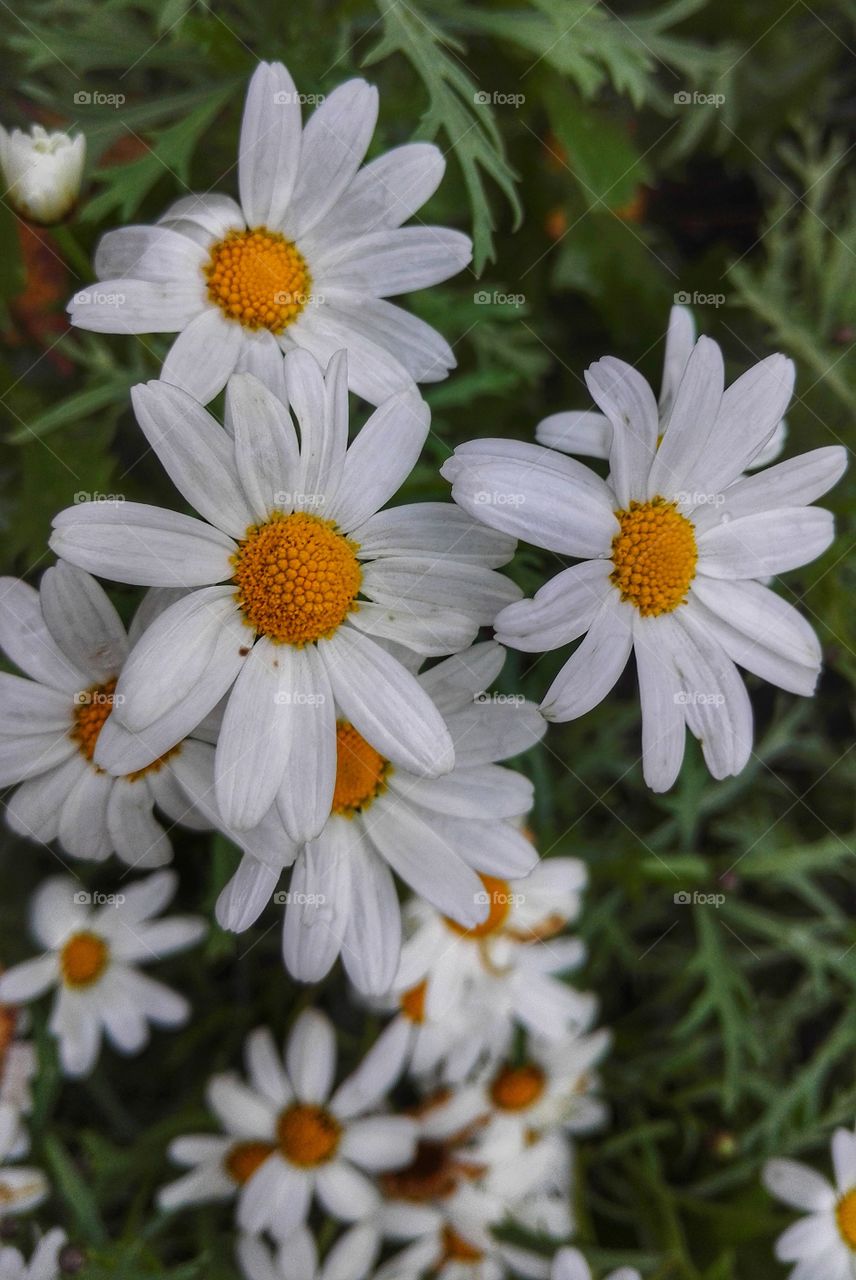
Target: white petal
{"points": [[204, 217], [380, 1142], [372, 941], [680, 340], [368, 1085], [844, 1158], [771, 542], [83, 830], [256, 735], [384, 263], [240, 1110], [663, 724], [421, 350], [386, 704], [716, 705], [147, 253], [265, 1067], [28, 980], [33, 708], [690, 422], [595, 665], [469, 588], [142, 545], [579, 431], [203, 355], [335, 140], [437, 528], [488, 791], [430, 630], [125, 305], [83, 622], [26, 641], [628, 401], [795, 483], [136, 835], [310, 1057], [381, 458], [306, 794], [751, 409], [246, 895], [345, 1192], [387, 191], [33, 810], [560, 611], [265, 445], [190, 655], [270, 145], [455, 682], [261, 355], [323, 434]]}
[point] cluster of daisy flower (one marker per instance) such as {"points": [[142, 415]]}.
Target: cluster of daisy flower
{"points": [[305, 674]]}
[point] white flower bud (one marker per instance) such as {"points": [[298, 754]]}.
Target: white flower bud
{"points": [[43, 172]]}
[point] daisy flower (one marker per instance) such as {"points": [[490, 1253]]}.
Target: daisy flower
{"points": [[43, 172], [495, 976], [20, 1189], [291, 1136], [824, 1242], [552, 1086], [91, 954], [569, 1264], [350, 1258], [71, 644], [438, 834], [305, 260], [290, 575], [590, 433], [670, 550], [44, 1263]]}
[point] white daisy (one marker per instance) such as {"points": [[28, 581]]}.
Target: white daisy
{"points": [[552, 1086], [70, 642], [44, 1263], [590, 433], [91, 956], [305, 260], [350, 1258], [294, 574], [43, 172], [438, 834], [569, 1264], [289, 1139], [20, 1189], [670, 549], [824, 1242], [497, 976]]}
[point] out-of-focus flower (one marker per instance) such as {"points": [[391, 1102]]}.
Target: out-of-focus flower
{"points": [[569, 1264], [92, 947], [18, 1066], [43, 172], [20, 1189], [44, 1263], [350, 1258]]}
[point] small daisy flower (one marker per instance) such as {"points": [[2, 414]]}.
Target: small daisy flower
{"points": [[292, 1137], [292, 576], [43, 172], [70, 642], [307, 259], [670, 550], [498, 975], [552, 1086], [350, 1258], [824, 1242], [44, 1263], [20, 1189], [590, 433], [438, 834], [91, 956], [569, 1264]]}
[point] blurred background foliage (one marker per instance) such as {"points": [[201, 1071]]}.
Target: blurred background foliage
{"points": [[606, 159]]}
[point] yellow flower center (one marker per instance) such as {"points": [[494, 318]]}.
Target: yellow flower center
{"points": [[258, 278], [91, 709], [845, 1213], [413, 1002], [241, 1162], [457, 1249], [498, 893], [361, 772], [308, 1135], [83, 959], [516, 1088], [654, 556], [297, 577]]}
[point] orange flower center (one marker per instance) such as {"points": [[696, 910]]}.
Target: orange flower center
{"points": [[83, 959], [297, 578], [497, 893], [244, 1158], [457, 1249], [845, 1214], [361, 772], [413, 1002], [308, 1135], [654, 556], [516, 1088], [258, 278], [91, 708], [8, 1028], [433, 1174]]}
